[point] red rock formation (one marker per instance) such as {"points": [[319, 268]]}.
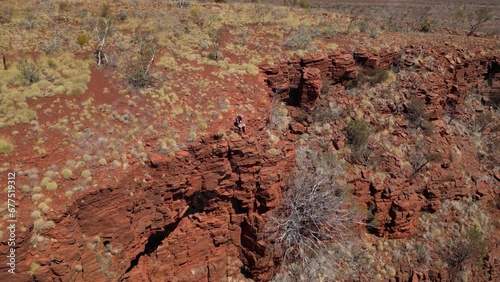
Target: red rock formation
{"points": [[380, 60], [197, 215], [194, 216], [277, 77], [309, 87], [342, 68], [338, 66]]}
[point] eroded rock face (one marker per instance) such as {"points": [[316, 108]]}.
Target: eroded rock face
{"points": [[294, 74], [398, 200], [198, 215], [381, 60], [194, 216], [309, 87]]}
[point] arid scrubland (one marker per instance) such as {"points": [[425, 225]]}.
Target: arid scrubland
{"points": [[378, 129]]}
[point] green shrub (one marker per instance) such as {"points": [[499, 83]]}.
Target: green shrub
{"points": [[67, 173], [6, 15], [279, 120], [138, 76], [86, 173], [372, 76], [29, 71], [51, 186], [63, 6], [105, 10], [305, 4], [5, 146], [415, 112], [299, 40], [468, 249], [33, 268], [82, 39], [358, 133]]}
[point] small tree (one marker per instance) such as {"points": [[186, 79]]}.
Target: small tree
{"points": [[358, 134], [477, 18], [139, 74], [424, 19], [103, 30], [299, 40], [216, 36], [415, 112], [356, 13], [29, 71], [483, 121], [419, 160], [470, 248], [314, 210]]}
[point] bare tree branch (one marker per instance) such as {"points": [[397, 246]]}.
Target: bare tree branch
{"points": [[315, 209]]}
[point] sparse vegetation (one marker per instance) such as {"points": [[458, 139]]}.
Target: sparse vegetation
{"points": [[358, 135], [6, 146], [314, 209], [419, 160], [470, 248], [29, 71], [82, 39], [6, 15], [301, 39], [139, 74], [279, 120], [415, 112], [477, 18], [112, 86], [33, 268], [67, 173]]}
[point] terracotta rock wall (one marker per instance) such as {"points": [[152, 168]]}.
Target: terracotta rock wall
{"points": [[194, 216], [281, 78], [374, 60], [398, 200], [446, 91], [309, 87]]}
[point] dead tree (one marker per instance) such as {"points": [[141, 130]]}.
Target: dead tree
{"points": [[315, 209], [478, 18], [102, 30], [139, 71], [216, 40], [4, 62], [356, 13]]}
